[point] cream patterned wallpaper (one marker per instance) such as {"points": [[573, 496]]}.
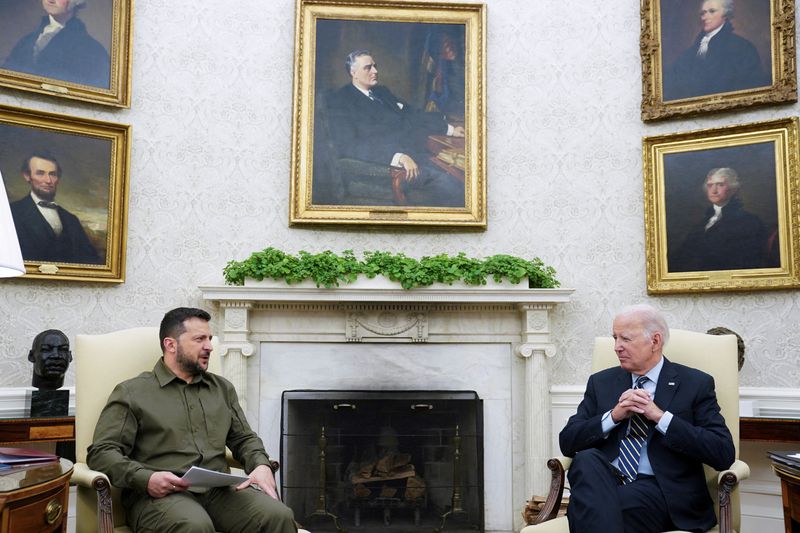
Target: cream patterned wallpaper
{"points": [[211, 116]]}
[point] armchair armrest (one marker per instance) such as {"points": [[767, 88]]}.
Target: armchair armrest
{"points": [[739, 470], [84, 476], [727, 481], [356, 167], [558, 466]]}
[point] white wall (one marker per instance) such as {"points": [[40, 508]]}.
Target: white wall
{"points": [[212, 90]]}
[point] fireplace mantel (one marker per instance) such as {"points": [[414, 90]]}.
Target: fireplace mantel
{"points": [[500, 314]]}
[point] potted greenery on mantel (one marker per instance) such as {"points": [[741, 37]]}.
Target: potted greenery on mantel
{"points": [[328, 269]]}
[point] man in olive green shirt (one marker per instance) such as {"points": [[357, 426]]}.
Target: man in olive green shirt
{"points": [[161, 423]]}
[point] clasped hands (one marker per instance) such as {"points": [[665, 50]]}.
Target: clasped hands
{"points": [[163, 484], [636, 401]]}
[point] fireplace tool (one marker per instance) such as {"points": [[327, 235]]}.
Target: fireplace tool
{"points": [[455, 508], [322, 501]]}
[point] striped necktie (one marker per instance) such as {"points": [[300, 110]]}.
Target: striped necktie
{"points": [[630, 447]]}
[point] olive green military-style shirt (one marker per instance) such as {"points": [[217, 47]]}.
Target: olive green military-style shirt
{"points": [[158, 422]]}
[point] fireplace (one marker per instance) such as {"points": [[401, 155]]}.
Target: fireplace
{"points": [[390, 461], [494, 341]]}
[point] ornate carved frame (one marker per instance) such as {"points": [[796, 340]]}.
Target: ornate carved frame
{"points": [[782, 134], [66, 136], [302, 209], [783, 68], [118, 93]]}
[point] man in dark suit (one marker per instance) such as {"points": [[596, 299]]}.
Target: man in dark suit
{"points": [[656, 484], [61, 48], [47, 231], [718, 61], [728, 237], [369, 123]]}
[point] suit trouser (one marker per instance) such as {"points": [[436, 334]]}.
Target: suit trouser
{"points": [[222, 509], [434, 188], [600, 502]]}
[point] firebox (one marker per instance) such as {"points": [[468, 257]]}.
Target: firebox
{"points": [[388, 461]]}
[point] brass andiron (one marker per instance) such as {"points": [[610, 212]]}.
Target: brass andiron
{"points": [[322, 500], [456, 508]]}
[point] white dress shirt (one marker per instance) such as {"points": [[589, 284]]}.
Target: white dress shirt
{"points": [[50, 215]]}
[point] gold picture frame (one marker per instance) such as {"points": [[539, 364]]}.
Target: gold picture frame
{"points": [[750, 241], [89, 59], [750, 60], [77, 170], [346, 165]]}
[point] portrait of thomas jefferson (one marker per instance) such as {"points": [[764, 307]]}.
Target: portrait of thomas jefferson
{"points": [[711, 49]]}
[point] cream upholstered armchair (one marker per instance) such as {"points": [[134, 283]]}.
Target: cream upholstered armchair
{"points": [[102, 361], [713, 354]]}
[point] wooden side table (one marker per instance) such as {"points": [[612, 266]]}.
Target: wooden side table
{"points": [[790, 491], [35, 499], [22, 430], [769, 429]]}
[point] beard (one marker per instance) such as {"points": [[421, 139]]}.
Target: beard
{"points": [[190, 366]]}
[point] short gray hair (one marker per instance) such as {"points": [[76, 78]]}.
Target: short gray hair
{"points": [[726, 5], [653, 320], [730, 175], [75, 4], [352, 57]]}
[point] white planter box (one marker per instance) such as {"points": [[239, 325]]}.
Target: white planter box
{"points": [[383, 283]]}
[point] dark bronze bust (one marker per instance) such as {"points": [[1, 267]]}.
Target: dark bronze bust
{"points": [[51, 357]]}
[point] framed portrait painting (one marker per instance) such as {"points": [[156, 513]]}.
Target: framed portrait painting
{"points": [[77, 49], [67, 184], [389, 114], [720, 206], [701, 56]]}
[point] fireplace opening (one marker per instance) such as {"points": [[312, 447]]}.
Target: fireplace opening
{"points": [[388, 461]]}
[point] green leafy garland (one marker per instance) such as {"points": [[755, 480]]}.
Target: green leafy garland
{"points": [[328, 269]]}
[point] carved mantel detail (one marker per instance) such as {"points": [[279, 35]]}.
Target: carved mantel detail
{"points": [[411, 325], [517, 317]]}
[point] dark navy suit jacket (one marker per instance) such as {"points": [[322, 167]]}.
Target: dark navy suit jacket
{"points": [[731, 63], [39, 242], [697, 434], [375, 130]]}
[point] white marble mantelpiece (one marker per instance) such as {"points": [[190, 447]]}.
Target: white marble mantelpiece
{"points": [[265, 330]]}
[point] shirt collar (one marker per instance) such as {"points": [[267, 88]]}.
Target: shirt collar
{"points": [[54, 24], [712, 33], [362, 91], [718, 208], [653, 373], [35, 198], [165, 376]]}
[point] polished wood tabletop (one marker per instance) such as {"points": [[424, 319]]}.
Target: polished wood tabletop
{"points": [[35, 498]]}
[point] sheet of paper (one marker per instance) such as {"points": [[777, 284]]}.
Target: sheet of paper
{"points": [[794, 455], [201, 477]]}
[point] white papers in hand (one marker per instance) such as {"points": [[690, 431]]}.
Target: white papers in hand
{"points": [[202, 477]]}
